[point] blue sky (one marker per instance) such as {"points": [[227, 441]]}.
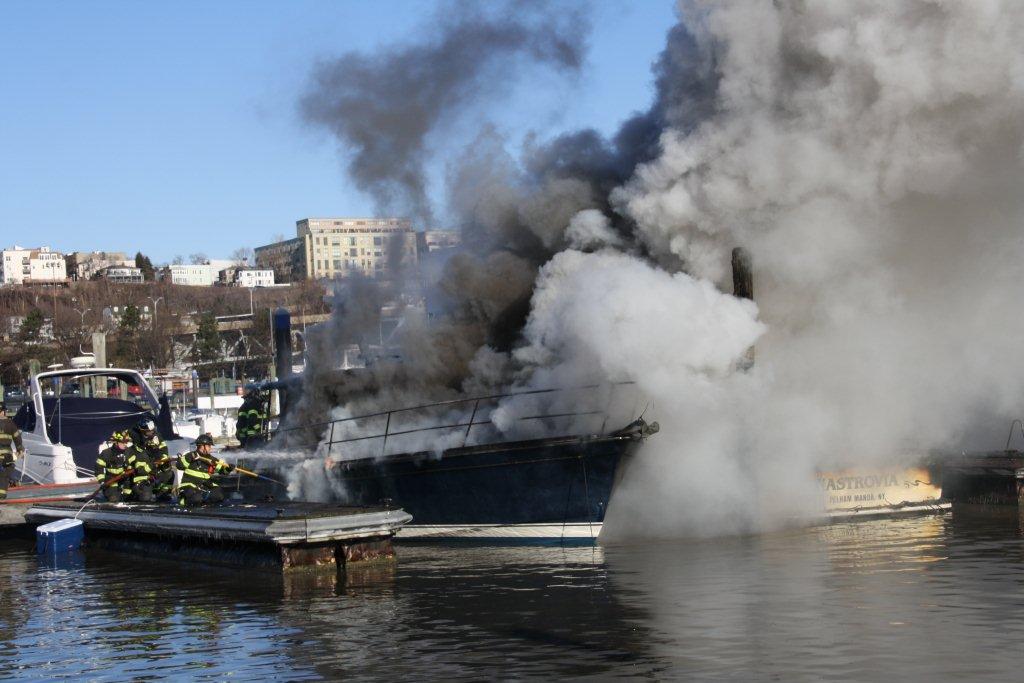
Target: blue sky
{"points": [[173, 128]]}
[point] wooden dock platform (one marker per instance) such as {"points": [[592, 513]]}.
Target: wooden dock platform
{"points": [[284, 534]]}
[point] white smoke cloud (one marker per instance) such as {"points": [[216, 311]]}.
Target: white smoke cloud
{"points": [[628, 319], [590, 229], [868, 155]]}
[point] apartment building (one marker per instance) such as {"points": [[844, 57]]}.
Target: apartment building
{"points": [[20, 265], [341, 247], [192, 274], [121, 274], [253, 277]]}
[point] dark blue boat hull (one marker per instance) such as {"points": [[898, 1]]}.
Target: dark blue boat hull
{"points": [[563, 480]]}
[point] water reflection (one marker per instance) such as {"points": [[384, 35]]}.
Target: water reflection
{"points": [[926, 597], [854, 601]]}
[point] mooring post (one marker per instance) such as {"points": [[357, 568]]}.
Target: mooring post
{"points": [[283, 352]]}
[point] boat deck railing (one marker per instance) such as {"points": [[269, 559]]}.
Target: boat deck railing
{"points": [[347, 430]]}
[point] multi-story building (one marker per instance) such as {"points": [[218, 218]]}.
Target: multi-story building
{"points": [[253, 277], [286, 258], [341, 247], [11, 328], [14, 265], [124, 274], [19, 265], [192, 274], [83, 265], [197, 274]]}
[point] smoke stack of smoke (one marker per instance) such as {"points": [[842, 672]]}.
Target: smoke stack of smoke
{"points": [[743, 288]]}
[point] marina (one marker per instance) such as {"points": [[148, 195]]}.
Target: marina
{"points": [[482, 341]]}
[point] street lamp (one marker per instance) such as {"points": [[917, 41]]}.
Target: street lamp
{"points": [[155, 302], [82, 314]]}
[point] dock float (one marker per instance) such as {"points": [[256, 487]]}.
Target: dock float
{"points": [[285, 535]]}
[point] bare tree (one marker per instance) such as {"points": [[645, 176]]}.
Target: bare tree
{"points": [[242, 256], [198, 258], [177, 260]]}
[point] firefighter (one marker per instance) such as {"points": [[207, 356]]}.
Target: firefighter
{"points": [[114, 467], [199, 467], [10, 449], [251, 418], [154, 472]]}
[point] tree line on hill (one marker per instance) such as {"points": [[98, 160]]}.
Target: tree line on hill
{"points": [[146, 325]]}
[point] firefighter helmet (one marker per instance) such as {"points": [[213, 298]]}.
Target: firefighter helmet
{"points": [[204, 440], [146, 426]]}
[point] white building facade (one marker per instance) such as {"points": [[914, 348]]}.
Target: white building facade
{"points": [[123, 274], [251, 277], [19, 265], [192, 275]]}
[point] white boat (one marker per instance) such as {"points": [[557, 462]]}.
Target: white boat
{"points": [[70, 416]]}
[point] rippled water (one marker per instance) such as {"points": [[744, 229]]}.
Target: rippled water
{"points": [[927, 597]]}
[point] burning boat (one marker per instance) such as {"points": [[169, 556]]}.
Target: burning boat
{"points": [[534, 483]]}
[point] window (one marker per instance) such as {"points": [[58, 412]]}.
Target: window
{"points": [[351, 241], [335, 251], [353, 252], [337, 264], [377, 241]]}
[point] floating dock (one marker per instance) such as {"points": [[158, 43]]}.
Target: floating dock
{"points": [[19, 498], [282, 535]]}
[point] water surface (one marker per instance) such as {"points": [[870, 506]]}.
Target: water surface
{"points": [[926, 597]]}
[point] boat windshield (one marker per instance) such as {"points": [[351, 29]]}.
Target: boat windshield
{"points": [[120, 387], [82, 411]]}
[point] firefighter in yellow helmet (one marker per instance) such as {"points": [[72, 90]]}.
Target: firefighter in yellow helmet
{"points": [[115, 466], [198, 485]]}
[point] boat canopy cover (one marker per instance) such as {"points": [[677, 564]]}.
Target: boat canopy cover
{"points": [[82, 423]]}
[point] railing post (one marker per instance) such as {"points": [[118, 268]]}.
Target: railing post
{"points": [[607, 407], [387, 428], [330, 441], [465, 438]]}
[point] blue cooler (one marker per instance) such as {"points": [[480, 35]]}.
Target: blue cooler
{"points": [[60, 536]]}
